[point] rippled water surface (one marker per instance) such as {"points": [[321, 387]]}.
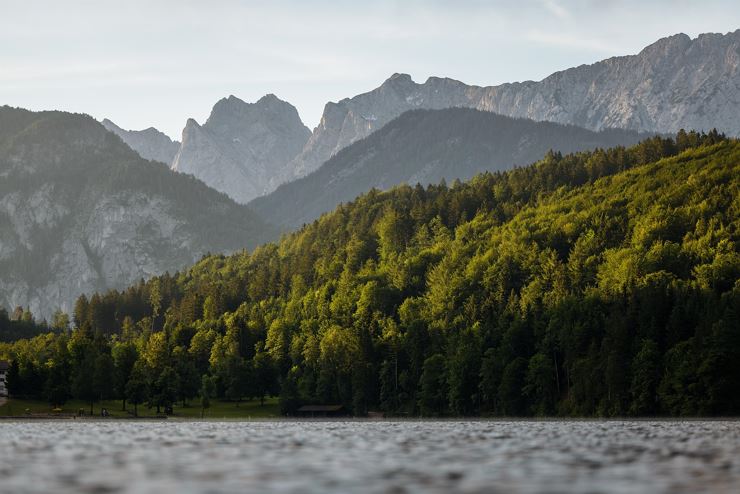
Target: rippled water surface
{"points": [[345, 457]]}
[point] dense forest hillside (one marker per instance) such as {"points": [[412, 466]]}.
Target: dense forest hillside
{"points": [[426, 147], [81, 212], [597, 283]]}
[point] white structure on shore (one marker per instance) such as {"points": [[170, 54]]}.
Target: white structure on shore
{"points": [[4, 366]]}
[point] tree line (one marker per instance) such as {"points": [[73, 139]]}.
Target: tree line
{"points": [[600, 283]]}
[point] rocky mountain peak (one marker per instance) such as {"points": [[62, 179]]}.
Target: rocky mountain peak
{"points": [[192, 128], [150, 143], [243, 149], [191, 123], [437, 81], [400, 84], [270, 99], [234, 111], [109, 124], [664, 46], [399, 79], [225, 107]]}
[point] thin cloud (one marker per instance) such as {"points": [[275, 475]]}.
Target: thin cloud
{"points": [[557, 9]]}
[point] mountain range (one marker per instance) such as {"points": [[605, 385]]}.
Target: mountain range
{"points": [[247, 150], [81, 212], [676, 82], [427, 146]]}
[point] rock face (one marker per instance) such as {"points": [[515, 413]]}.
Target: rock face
{"points": [[150, 143], [427, 146], [243, 150], [674, 83], [81, 212]]}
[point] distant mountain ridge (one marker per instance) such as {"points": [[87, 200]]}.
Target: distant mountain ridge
{"points": [[81, 212], [676, 82], [427, 146], [243, 149], [150, 143], [247, 149]]}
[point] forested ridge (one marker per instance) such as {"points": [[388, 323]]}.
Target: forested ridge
{"points": [[427, 146], [601, 283]]}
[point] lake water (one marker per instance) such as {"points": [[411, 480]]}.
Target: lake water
{"points": [[355, 456]]}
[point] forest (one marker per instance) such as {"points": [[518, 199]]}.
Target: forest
{"points": [[601, 283]]}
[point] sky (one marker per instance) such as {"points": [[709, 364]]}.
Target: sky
{"points": [[145, 63]]}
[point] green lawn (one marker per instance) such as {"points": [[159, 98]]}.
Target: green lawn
{"points": [[218, 409]]}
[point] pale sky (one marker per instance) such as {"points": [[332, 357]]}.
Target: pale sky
{"points": [[155, 63]]}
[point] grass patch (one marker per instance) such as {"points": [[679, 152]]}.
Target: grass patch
{"points": [[219, 409], [229, 409]]}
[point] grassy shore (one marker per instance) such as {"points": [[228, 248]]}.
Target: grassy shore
{"points": [[219, 409]]}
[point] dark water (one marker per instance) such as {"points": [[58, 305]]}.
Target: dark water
{"points": [[346, 457]]}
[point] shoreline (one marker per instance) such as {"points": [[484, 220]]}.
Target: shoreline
{"points": [[19, 418]]}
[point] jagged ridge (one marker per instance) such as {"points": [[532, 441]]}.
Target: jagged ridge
{"points": [[674, 83]]}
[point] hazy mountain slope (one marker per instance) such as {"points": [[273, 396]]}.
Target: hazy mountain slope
{"points": [[80, 211], [150, 143], [243, 149], [674, 83], [426, 146]]}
